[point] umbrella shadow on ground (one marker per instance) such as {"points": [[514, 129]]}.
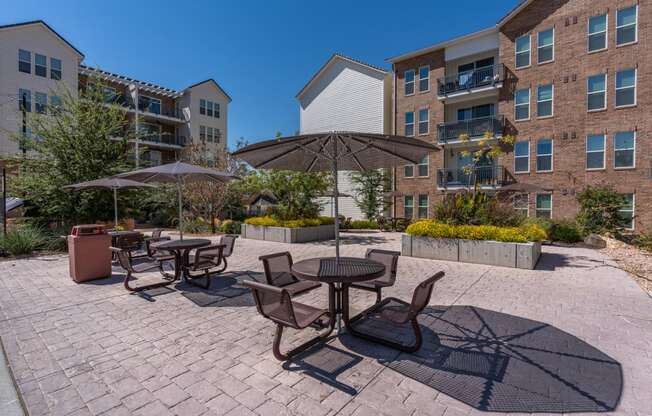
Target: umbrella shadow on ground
{"points": [[497, 362], [354, 239], [226, 289], [552, 261]]}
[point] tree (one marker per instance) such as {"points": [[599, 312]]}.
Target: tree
{"points": [[371, 190], [600, 209], [81, 139]]}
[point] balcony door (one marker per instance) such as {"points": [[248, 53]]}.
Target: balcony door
{"points": [[470, 170], [476, 73], [478, 111]]}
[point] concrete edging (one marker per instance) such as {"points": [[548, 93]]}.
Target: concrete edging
{"points": [[288, 235], [493, 253]]}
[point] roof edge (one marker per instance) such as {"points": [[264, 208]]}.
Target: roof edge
{"points": [[48, 27], [214, 82], [512, 13]]}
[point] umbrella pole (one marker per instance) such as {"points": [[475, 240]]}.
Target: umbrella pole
{"points": [[115, 207], [337, 211], [180, 210]]}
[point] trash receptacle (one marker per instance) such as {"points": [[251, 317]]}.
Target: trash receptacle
{"points": [[89, 253]]}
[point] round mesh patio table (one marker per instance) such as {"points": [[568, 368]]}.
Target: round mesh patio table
{"points": [[338, 276], [181, 250]]}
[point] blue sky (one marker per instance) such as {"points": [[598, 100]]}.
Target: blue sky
{"points": [[261, 52]]}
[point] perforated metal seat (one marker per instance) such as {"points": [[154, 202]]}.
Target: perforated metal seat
{"points": [[278, 273], [390, 260], [125, 262]]}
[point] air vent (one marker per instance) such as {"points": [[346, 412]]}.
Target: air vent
{"points": [[564, 136], [574, 77], [574, 135], [566, 79], [574, 20]]}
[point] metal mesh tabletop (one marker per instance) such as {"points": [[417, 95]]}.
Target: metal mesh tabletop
{"points": [[187, 244], [328, 270]]}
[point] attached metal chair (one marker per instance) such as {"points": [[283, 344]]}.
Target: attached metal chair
{"points": [[390, 260], [278, 273], [124, 259], [228, 241], [276, 304], [207, 260], [399, 312]]}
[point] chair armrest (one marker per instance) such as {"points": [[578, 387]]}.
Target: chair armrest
{"points": [[199, 254], [264, 287]]}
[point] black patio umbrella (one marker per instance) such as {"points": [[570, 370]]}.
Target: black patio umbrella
{"points": [[110, 183], [335, 151], [179, 173]]}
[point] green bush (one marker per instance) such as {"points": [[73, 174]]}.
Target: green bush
{"points": [[25, 240], [476, 208], [230, 227], [566, 232], [272, 222], [361, 225], [643, 241], [196, 225], [434, 229], [599, 210], [544, 223]]}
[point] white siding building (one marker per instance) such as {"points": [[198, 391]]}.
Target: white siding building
{"points": [[346, 95]]}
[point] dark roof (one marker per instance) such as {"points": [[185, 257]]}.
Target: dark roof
{"points": [[331, 59], [34, 22], [214, 82]]}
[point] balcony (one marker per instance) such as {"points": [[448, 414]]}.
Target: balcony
{"points": [[465, 83], [492, 176], [164, 140], [475, 128], [161, 112]]}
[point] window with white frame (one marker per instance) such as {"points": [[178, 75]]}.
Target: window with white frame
{"points": [[409, 81], [626, 213], [545, 97], [625, 150], [408, 206], [216, 110], [626, 26], [597, 92], [544, 206], [409, 123], [423, 206], [218, 135], [522, 156], [424, 78], [202, 107], [523, 49], [546, 46], [40, 65], [24, 61], [626, 88], [595, 153], [408, 171], [24, 100], [209, 134], [40, 102], [56, 69], [544, 155], [598, 33], [55, 103], [202, 133], [422, 167], [522, 104], [209, 108], [423, 121], [521, 204]]}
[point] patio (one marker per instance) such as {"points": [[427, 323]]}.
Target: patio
{"points": [[555, 339]]}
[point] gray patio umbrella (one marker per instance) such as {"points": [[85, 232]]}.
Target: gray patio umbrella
{"points": [[178, 173], [335, 151], [110, 183]]}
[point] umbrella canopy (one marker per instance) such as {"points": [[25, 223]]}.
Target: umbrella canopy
{"points": [[110, 183], [179, 173], [334, 151]]}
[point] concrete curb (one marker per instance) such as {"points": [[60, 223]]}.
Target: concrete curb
{"points": [[11, 403]]}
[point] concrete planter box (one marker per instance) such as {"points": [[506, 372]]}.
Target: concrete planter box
{"points": [[288, 235], [494, 253]]}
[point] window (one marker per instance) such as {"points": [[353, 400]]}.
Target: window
{"points": [[546, 46], [626, 88], [24, 61], [409, 123], [545, 96], [626, 213], [409, 82], [423, 121], [522, 105], [544, 155], [423, 206], [626, 21], [55, 103], [597, 92], [216, 110], [40, 65], [424, 79], [422, 167], [523, 51], [209, 108], [40, 102], [478, 111], [150, 132], [149, 104], [209, 134], [218, 135], [595, 144], [202, 107], [110, 94], [521, 204], [408, 171], [522, 157], [202, 133], [24, 100], [598, 33], [55, 68], [624, 150], [544, 206], [408, 206]]}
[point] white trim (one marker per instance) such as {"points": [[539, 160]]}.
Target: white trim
{"points": [[536, 209], [527, 203], [624, 88], [406, 82], [529, 101], [606, 33], [540, 47], [427, 164], [427, 121], [634, 24], [421, 79], [521, 157], [587, 151], [411, 206], [409, 124], [419, 206], [633, 210], [551, 154], [633, 149], [408, 166], [529, 51], [552, 101], [588, 93]]}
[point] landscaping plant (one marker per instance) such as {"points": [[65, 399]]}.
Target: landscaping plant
{"points": [[599, 210], [434, 229], [26, 239], [475, 208], [300, 223], [371, 191]]}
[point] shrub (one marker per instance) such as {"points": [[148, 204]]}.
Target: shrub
{"points": [[25, 240], [434, 229], [361, 225], [475, 208], [196, 225], [272, 222], [543, 223], [566, 231], [643, 241], [230, 227], [599, 210]]}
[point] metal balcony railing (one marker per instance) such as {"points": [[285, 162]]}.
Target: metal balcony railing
{"points": [[473, 128], [166, 139], [465, 81], [492, 175]]}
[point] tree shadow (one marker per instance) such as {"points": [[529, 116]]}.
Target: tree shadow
{"points": [[371, 239], [552, 261], [497, 362], [226, 289]]}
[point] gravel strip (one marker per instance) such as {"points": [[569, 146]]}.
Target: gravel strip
{"points": [[633, 260]]}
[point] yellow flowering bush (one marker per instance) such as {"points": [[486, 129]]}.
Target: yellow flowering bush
{"points": [[434, 229], [272, 222]]}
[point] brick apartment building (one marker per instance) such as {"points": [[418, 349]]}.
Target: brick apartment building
{"points": [[569, 79], [36, 63]]}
